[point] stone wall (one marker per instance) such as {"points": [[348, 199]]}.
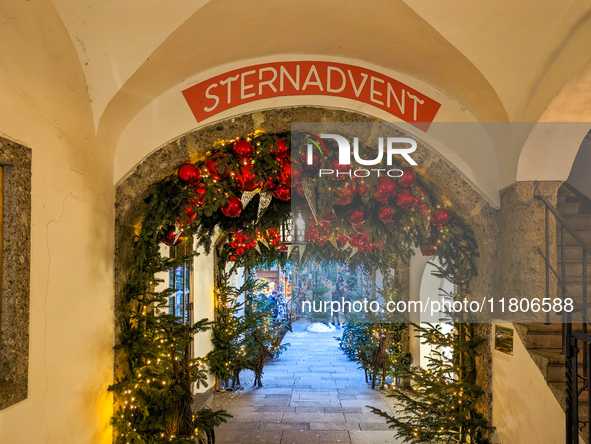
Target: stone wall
{"points": [[16, 262]]}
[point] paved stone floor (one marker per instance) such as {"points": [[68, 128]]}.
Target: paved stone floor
{"points": [[312, 394]]}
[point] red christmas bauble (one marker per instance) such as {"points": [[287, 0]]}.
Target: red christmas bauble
{"points": [[408, 178], [189, 174], [233, 208], [270, 184], [345, 195], [284, 176], [243, 149], [441, 217], [316, 161], [362, 189], [386, 214], [300, 191], [245, 178], [297, 172], [212, 165], [329, 216], [405, 199], [385, 190], [200, 189], [240, 251], [428, 251], [281, 150], [282, 193], [357, 217], [233, 257], [341, 172], [172, 236]]}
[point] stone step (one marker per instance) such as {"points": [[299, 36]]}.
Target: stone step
{"points": [[568, 208], [570, 240], [556, 372], [579, 221], [571, 252], [574, 267], [543, 340]]}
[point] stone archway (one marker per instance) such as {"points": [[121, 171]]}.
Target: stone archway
{"points": [[465, 201]]}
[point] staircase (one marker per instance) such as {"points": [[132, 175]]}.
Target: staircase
{"points": [[544, 341]]}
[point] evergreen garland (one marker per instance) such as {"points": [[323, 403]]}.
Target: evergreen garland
{"points": [[156, 347]]}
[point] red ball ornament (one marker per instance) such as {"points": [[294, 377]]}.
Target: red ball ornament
{"points": [[328, 217], [341, 172], [233, 258], [316, 161], [408, 178], [300, 191], [345, 195], [233, 208], [189, 174], [405, 199], [297, 172], [362, 189], [172, 236], [386, 189], [284, 177], [441, 217], [212, 165], [243, 149], [245, 178], [281, 150], [240, 251], [357, 217], [386, 214], [270, 184], [282, 193]]}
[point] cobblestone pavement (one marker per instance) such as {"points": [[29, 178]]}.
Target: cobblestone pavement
{"points": [[312, 394]]}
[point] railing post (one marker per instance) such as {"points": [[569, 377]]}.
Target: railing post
{"points": [[547, 236]]}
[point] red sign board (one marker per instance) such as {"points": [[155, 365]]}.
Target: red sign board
{"points": [[269, 80]]}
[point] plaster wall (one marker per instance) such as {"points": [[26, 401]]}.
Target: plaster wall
{"points": [[524, 409]]}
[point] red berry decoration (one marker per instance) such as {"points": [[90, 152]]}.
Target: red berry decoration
{"points": [[300, 191], [341, 172], [441, 217], [342, 239], [233, 208], [189, 174], [357, 217], [284, 176], [233, 258], [430, 251], [245, 178], [281, 150], [405, 200], [386, 214], [213, 164], [282, 193], [421, 197], [172, 236], [386, 189], [408, 178], [243, 150], [316, 161], [297, 172], [345, 195]]}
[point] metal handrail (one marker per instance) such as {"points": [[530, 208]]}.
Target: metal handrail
{"points": [[570, 338], [565, 224]]}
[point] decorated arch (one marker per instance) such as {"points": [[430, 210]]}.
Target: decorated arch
{"points": [[249, 187]]}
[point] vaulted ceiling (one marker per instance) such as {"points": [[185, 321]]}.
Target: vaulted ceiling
{"points": [[86, 68]]}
